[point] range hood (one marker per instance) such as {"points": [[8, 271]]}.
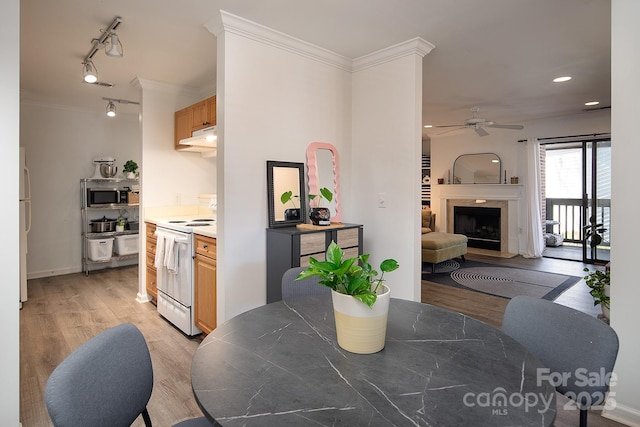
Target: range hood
{"points": [[202, 140]]}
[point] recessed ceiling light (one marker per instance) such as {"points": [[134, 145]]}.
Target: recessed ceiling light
{"points": [[428, 126], [590, 103], [561, 79]]}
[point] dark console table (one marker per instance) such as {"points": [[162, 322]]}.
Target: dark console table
{"points": [[292, 246]]}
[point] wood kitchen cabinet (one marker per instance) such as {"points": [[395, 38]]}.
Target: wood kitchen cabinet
{"points": [[205, 268], [290, 247], [152, 273], [194, 117]]}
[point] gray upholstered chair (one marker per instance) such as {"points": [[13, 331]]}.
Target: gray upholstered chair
{"points": [[292, 288], [569, 343], [107, 381]]}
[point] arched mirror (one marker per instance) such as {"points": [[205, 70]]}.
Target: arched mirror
{"points": [[286, 194], [481, 168], [322, 168]]}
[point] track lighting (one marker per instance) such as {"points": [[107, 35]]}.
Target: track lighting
{"points": [[113, 47], [89, 72], [111, 107], [110, 42]]}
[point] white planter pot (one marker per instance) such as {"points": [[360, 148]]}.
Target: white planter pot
{"points": [[131, 175], [361, 329]]}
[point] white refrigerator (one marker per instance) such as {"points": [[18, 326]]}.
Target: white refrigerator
{"points": [[25, 222]]}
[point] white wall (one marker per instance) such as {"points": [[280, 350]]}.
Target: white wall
{"points": [[386, 161], [276, 100], [9, 258], [60, 152], [625, 289]]}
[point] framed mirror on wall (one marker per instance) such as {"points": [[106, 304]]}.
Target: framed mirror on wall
{"points": [[286, 193], [480, 168], [322, 170]]}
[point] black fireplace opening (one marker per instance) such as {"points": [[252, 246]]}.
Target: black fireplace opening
{"points": [[481, 225]]}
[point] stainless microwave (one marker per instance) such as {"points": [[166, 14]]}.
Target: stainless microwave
{"points": [[106, 196]]}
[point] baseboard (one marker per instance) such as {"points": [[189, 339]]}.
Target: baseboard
{"points": [[142, 298], [56, 272], [624, 415], [489, 252]]}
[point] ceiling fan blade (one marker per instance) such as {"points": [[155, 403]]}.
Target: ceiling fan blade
{"points": [[516, 127], [451, 130], [448, 126], [480, 131]]}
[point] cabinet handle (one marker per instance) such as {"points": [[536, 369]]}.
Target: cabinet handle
{"points": [[206, 247]]}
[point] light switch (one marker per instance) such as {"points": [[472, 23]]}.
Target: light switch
{"points": [[382, 200]]}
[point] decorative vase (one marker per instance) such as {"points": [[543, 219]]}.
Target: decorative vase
{"points": [[361, 329], [320, 216], [292, 214], [131, 175]]}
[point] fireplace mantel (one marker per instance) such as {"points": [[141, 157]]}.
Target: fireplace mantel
{"points": [[511, 196]]}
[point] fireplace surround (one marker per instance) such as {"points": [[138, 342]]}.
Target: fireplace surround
{"points": [[508, 198]]}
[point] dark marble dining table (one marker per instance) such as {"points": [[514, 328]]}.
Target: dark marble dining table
{"points": [[280, 365]]}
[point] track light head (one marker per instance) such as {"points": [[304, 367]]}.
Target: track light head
{"points": [[111, 109], [113, 47], [89, 72]]}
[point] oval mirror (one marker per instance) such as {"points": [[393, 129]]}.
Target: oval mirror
{"points": [[322, 169], [480, 168]]}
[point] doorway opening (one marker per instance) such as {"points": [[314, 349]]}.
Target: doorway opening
{"points": [[576, 185]]}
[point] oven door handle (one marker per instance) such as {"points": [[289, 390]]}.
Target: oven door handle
{"points": [[184, 240]]}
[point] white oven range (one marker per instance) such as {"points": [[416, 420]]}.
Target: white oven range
{"points": [[174, 265]]}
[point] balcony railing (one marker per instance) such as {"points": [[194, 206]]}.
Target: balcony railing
{"points": [[568, 215]]}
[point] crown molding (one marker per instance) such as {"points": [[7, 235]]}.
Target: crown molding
{"points": [[257, 32], [415, 46]]}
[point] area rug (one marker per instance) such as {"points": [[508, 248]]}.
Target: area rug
{"points": [[501, 281]]}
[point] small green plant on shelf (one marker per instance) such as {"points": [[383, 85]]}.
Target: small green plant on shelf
{"points": [[130, 167], [325, 193]]}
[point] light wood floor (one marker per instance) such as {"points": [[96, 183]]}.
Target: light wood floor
{"points": [[65, 311]]}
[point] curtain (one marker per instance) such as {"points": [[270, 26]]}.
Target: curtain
{"points": [[532, 186]]}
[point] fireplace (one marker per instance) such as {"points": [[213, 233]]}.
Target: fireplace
{"points": [[480, 224], [489, 224]]}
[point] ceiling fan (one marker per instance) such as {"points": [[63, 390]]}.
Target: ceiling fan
{"points": [[478, 124]]}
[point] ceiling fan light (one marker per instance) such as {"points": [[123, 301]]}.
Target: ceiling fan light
{"points": [[113, 47], [111, 109], [89, 72]]}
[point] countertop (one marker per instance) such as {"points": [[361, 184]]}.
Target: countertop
{"points": [[209, 230]]}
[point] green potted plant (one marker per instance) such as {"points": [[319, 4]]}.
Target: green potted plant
{"points": [[130, 168], [360, 298], [593, 232], [290, 214], [120, 224], [599, 283], [318, 214]]}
